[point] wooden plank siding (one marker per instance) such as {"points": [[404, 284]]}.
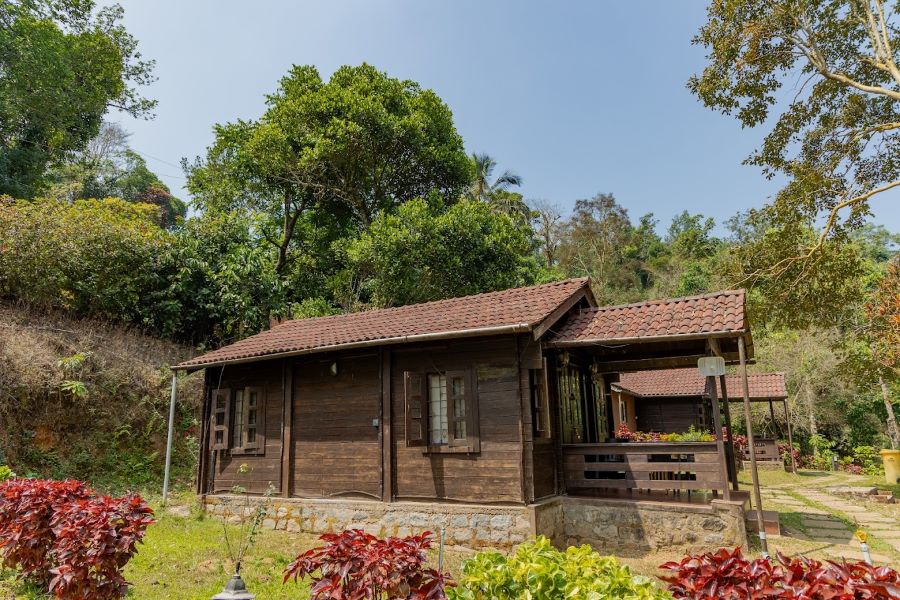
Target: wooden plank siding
{"points": [[337, 449], [493, 475], [262, 469]]}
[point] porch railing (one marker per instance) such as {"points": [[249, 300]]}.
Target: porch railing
{"points": [[644, 466]]}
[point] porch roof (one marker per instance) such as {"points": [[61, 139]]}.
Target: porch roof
{"points": [[671, 383], [658, 334], [711, 315]]}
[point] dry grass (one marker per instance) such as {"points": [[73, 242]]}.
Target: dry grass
{"points": [[114, 417]]}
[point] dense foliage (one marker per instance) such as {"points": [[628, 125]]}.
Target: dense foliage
{"points": [[62, 65], [354, 565], [538, 571], [94, 540], [27, 511], [727, 575], [65, 539]]}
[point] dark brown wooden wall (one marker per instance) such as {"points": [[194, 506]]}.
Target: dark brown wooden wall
{"points": [[494, 475], [668, 415], [337, 450], [261, 469]]}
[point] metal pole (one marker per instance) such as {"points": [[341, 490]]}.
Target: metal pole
{"points": [[169, 438], [787, 416], [757, 497]]}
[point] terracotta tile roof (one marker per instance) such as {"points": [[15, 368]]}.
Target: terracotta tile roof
{"points": [[521, 308], [689, 382], [721, 312]]}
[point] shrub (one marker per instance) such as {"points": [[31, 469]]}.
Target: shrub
{"points": [[868, 460], [95, 539], [538, 571], [354, 565], [6, 473], [727, 575], [27, 507]]}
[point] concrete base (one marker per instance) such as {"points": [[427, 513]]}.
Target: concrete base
{"points": [[607, 524]]}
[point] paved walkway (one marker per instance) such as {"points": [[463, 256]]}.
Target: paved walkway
{"points": [[816, 511]]}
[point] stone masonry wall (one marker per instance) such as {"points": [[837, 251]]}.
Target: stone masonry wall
{"points": [[608, 525], [640, 526], [466, 525]]}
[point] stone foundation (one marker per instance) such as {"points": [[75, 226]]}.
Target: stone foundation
{"points": [[465, 525], [611, 525], [634, 526]]}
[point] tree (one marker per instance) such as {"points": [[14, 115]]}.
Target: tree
{"points": [[62, 66], [829, 69], [547, 228], [427, 251], [883, 316], [482, 188], [359, 144]]}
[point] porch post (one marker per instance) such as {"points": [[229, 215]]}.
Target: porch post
{"points": [[720, 444], [757, 497], [287, 427], [787, 418], [729, 446]]}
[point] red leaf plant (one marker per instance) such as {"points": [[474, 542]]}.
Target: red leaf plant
{"points": [[354, 565], [95, 539], [727, 575], [27, 507]]}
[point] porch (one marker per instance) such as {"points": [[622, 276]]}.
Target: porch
{"points": [[597, 345]]}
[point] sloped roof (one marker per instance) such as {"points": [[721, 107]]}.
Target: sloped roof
{"points": [[688, 382], [718, 313], [514, 310]]}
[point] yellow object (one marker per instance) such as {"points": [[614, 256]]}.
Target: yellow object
{"points": [[861, 535], [891, 459]]}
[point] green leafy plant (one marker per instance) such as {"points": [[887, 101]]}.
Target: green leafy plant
{"points": [[6, 473], [538, 571]]}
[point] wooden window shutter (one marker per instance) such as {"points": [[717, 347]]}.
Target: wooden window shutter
{"points": [[221, 418], [416, 409], [254, 425], [472, 420]]}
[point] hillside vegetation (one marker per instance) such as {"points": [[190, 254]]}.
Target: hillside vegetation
{"points": [[88, 399]]}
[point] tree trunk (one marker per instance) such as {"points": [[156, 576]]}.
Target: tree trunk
{"points": [[811, 410], [893, 430]]}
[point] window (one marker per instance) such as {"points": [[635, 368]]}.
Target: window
{"points": [[441, 411], [540, 404], [238, 420], [623, 411]]}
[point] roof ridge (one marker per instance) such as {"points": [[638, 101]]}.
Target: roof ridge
{"points": [[739, 291]]}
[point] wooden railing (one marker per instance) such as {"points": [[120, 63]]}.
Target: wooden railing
{"points": [[644, 466]]}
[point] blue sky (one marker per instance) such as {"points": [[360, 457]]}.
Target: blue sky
{"points": [[577, 97]]}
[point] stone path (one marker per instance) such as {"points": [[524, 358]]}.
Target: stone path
{"points": [[809, 511]]}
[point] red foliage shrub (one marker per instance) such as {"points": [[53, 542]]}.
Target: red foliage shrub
{"points": [[727, 575], [27, 507], [354, 565], [95, 539]]}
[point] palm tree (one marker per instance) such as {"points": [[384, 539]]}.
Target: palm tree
{"points": [[482, 188]]}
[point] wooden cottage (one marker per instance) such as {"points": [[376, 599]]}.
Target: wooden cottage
{"points": [[489, 417]]}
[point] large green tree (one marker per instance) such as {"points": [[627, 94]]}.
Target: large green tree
{"points": [[426, 251], [63, 64], [824, 74], [357, 145]]}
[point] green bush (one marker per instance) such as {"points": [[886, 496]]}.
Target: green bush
{"points": [[867, 458], [538, 571], [6, 473]]}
